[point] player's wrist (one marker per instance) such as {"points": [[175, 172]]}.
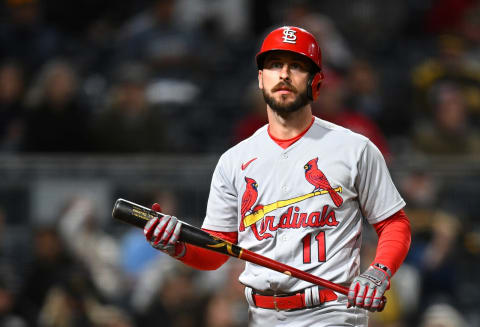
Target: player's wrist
{"points": [[383, 268], [179, 250]]}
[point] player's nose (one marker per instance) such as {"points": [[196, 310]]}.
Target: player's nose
{"points": [[285, 72]]}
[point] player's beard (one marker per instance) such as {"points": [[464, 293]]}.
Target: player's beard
{"points": [[286, 108]]}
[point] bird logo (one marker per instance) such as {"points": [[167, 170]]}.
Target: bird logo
{"points": [[316, 177], [248, 200]]}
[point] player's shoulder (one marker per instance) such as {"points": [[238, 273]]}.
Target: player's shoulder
{"points": [[349, 141], [324, 127]]}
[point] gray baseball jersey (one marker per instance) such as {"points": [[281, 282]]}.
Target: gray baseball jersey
{"points": [[302, 206]]}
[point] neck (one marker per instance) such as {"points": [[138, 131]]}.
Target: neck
{"points": [[290, 125]]}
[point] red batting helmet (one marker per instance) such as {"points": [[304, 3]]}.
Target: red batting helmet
{"points": [[298, 40]]}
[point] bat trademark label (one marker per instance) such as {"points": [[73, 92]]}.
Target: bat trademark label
{"points": [[142, 214]]}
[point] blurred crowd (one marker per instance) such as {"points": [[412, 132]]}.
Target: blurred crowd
{"points": [[179, 77]]}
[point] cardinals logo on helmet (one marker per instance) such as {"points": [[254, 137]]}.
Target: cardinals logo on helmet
{"points": [[320, 182], [289, 35]]}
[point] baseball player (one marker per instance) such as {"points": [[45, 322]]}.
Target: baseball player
{"points": [[297, 191]]}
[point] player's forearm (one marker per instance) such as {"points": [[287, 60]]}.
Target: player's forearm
{"points": [[394, 237], [203, 259]]}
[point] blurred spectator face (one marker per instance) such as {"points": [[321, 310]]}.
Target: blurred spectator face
{"points": [[6, 301], [363, 79], [163, 10], [470, 25], [129, 90], [330, 101], [61, 84], [419, 188], [132, 97], [23, 12], [219, 313], [451, 50], [450, 111], [47, 245], [11, 83]]}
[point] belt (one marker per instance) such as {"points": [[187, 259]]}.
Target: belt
{"points": [[309, 297]]}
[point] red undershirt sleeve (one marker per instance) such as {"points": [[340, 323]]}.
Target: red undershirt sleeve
{"points": [[394, 237], [203, 259]]}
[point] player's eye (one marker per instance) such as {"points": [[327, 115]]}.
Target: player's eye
{"points": [[298, 66], [276, 64]]}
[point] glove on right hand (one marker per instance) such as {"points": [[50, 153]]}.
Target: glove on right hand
{"points": [[367, 290], [163, 234]]}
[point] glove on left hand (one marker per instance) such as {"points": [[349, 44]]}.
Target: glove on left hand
{"points": [[367, 290]]}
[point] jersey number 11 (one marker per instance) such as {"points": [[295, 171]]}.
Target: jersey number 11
{"points": [[307, 247]]}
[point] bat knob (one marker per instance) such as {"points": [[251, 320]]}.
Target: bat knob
{"points": [[383, 303]]}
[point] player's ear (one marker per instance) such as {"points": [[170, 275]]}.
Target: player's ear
{"points": [[322, 78], [260, 79]]}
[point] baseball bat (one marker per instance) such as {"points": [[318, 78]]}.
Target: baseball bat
{"points": [[138, 216]]}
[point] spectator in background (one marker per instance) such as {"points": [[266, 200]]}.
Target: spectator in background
{"points": [[226, 307], [74, 301], [155, 37], [129, 124], [450, 131], [442, 315], [51, 264], [370, 26], [12, 85], [9, 318], [331, 107], [452, 63], [255, 115], [469, 27], [12, 264], [25, 37], [64, 303], [13, 256], [179, 60], [57, 120], [447, 15], [230, 16], [363, 91], [435, 235], [98, 251], [176, 301]]}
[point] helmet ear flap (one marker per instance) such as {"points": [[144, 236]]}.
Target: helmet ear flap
{"points": [[314, 83]]}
